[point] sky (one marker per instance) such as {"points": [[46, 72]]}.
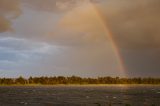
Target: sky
{"points": [[87, 38]]}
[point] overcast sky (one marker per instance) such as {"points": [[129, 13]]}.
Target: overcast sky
{"points": [[68, 37]]}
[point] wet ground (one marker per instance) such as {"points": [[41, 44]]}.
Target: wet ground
{"points": [[80, 96]]}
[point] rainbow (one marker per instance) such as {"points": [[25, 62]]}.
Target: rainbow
{"points": [[110, 36]]}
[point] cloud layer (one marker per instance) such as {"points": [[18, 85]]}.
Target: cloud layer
{"points": [[8, 10], [136, 22], [66, 37]]}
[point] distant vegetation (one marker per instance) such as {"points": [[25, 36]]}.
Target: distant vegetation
{"points": [[76, 80]]}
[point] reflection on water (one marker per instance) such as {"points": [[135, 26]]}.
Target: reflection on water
{"points": [[80, 96]]}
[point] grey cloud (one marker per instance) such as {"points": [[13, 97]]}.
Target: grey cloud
{"points": [[50, 5], [21, 56], [86, 52], [9, 9], [82, 61], [135, 22], [142, 62], [10, 6], [4, 24], [55, 5], [15, 49], [135, 28]]}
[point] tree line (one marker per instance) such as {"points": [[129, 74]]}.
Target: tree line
{"points": [[76, 80]]}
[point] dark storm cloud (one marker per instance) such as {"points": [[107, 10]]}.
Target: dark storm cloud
{"points": [[142, 62], [55, 5], [76, 37], [134, 24], [135, 27], [46, 5], [9, 9], [51, 5], [4, 24]]}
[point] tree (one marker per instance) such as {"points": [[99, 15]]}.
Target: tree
{"points": [[21, 80]]}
